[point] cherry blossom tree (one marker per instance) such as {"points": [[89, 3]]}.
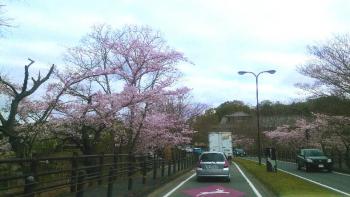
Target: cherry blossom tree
{"points": [[169, 122], [86, 114], [4, 21], [247, 143], [328, 65], [118, 82], [287, 136], [323, 131], [137, 75], [336, 133]]}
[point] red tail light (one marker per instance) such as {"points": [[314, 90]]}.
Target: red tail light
{"points": [[226, 165]]}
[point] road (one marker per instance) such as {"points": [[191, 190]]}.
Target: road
{"points": [[238, 187], [334, 180]]}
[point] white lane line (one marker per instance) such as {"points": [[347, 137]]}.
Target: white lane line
{"points": [[280, 161], [335, 172], [179, 185], [287, 162], [257, 193], [341, 173], [317, 183]]}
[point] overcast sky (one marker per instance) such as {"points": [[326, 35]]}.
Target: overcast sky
{"points": [[220, 37]]}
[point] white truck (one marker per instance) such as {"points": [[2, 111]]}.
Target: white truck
{"points": [[221, 142]]}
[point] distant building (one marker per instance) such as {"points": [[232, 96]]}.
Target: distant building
{"points": [[234, 118], [232, 121]]}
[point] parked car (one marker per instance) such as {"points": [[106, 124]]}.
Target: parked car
{"points": [[313, 159], [189, 149], [197, 151], [213, 164], [239, 152]]}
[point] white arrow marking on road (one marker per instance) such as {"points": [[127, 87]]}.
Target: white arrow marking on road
{"points": [[217, 191]]}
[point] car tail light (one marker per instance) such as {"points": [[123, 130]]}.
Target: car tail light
{"points": [[226, 165]]}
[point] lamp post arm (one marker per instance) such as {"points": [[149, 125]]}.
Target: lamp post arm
{"points": [[255, 75], [260, 73]]}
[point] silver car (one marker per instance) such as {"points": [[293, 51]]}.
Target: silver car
{"points": [[213, 164]]}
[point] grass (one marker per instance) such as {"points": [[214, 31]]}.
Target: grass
{"points": [[283, 184]]}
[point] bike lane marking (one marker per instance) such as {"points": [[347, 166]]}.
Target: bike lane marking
{"points": [[238, 187], [257, 193], [213, 190]]}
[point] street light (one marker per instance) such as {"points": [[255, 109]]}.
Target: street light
{"points": [[257, 105]]}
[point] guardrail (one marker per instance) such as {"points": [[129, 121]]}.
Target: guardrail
{"points": [[83, 175]]}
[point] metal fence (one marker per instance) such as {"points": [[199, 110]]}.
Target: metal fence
{"points": [[89, 175]]}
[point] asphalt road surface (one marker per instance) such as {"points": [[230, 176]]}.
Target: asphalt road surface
{"points": [[333, 180], [241, 185]]}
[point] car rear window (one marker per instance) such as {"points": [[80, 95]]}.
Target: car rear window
{"points": [[212, 157]]}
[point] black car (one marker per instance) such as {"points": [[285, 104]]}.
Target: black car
{"points": [[239, 152], [313, 159]]}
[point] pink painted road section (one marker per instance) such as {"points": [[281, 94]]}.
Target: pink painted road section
{"points": [[213, 191]]}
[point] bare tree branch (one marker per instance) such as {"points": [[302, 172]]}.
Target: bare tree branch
{"points": [[38, 82], [18, 97], [8, 84], [26, 75]]}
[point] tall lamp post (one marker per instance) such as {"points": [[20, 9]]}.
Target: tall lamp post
{"points": [[257, 105]]}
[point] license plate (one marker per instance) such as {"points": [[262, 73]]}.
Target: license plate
{"points": [[211, 167], [320, 165]]}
